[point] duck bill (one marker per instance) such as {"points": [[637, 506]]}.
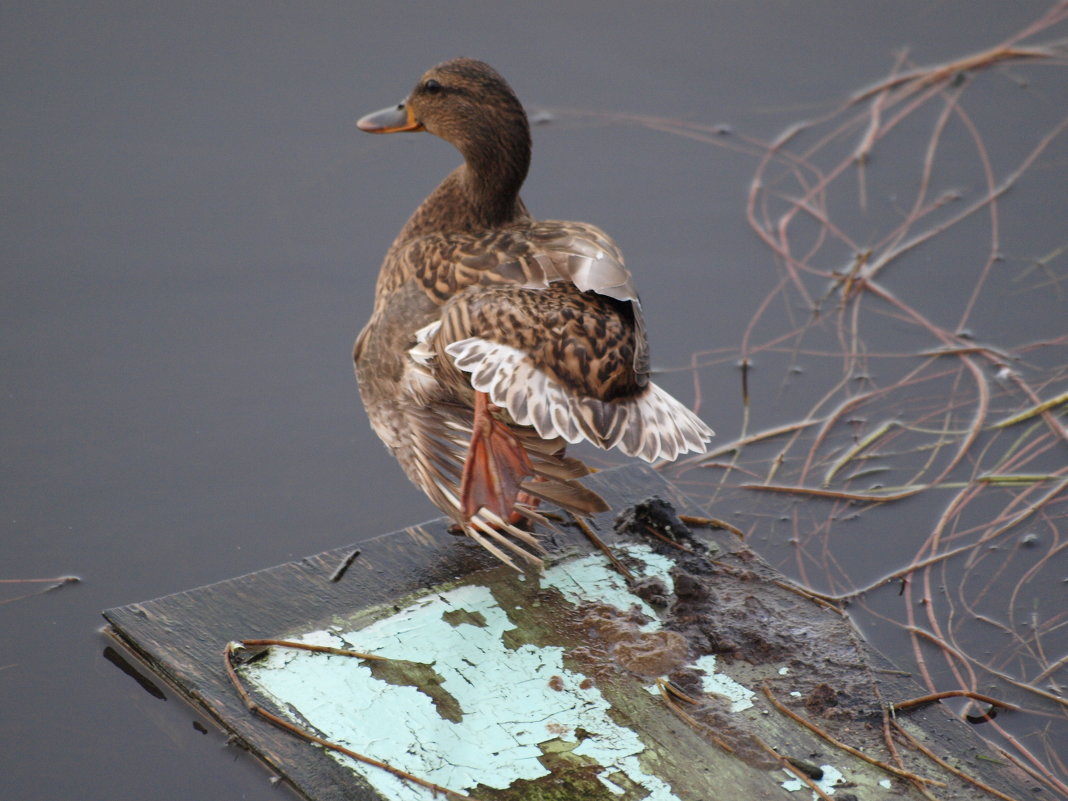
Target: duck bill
{"points": [[390, 120]]}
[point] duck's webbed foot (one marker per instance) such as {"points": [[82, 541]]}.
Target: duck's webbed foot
{"points": [[495, 467]]}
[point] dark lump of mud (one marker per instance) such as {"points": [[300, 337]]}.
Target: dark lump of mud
{"points": [[656, 514]]}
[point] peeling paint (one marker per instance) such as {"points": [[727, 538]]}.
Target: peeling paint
{"points": [[741, 697], [492, 709], [588, 578]]}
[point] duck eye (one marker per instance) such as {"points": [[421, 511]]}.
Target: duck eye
{"points": [[432, 87]]}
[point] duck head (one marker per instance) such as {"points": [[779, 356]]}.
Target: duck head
{"points": [[468, 104]]}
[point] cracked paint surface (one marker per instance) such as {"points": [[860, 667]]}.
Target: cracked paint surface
{"points": [[513, 702], [740, 696]]}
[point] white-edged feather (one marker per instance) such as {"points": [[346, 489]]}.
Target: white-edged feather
{"points": [[651, 426]]}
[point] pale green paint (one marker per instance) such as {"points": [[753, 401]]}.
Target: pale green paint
{"points": [[741, 697], [592, 579], [510, 710]]}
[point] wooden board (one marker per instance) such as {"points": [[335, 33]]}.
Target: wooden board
{"points": [[566, 661]]}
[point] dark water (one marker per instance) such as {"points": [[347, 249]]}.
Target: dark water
{"points": [[190, 230]]}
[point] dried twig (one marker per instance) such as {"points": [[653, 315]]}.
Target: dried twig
{"points": [[904, 774]]}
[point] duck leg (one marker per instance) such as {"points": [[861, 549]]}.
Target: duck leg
{"points": [[495, 466]]}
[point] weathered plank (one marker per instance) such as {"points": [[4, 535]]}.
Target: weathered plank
{"points": [[539, 686]]}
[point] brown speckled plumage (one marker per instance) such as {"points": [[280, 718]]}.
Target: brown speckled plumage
{"points": [[475, 296]]}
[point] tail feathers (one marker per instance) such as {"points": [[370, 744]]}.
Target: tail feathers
{"points": [[660, 427], [569, 495], [555, 475]]}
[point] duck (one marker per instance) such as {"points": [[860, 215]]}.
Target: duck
{"points": [[496, 340]]}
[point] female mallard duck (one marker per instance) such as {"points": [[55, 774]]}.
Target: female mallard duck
{"points": [[497, 339]]}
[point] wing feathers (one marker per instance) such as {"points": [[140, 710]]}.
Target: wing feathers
{"points": [[652, 425]]}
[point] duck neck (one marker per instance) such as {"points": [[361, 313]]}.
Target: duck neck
{"points": [[483, 193], [493, 172]]}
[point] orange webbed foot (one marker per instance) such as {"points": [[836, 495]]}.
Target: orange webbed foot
{"points": [[495, 467]]}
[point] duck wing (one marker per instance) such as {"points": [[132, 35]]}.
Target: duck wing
{"points": [[550, 327]]}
